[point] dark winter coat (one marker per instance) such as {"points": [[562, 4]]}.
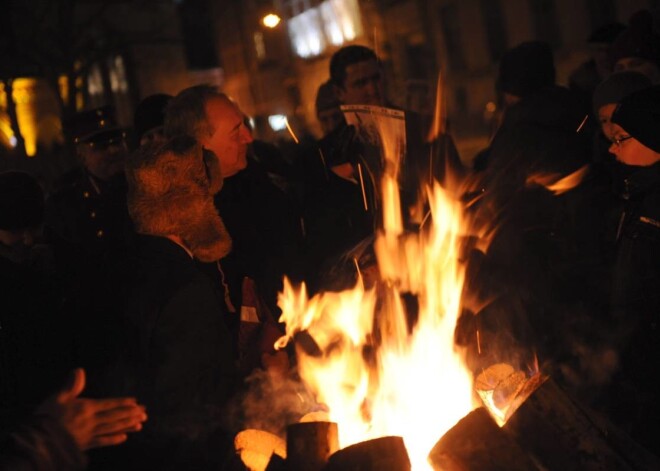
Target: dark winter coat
{"points": [[90, 215], [35, 350], [543, 265], [176, 357], [39, 443], [636, 306], [265, 225]]}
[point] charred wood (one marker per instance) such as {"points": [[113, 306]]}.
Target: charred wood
{"points": [[562, 435], [309, 444], [379, 454], [476, 443]]}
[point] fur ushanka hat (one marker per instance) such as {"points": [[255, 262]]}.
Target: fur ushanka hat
{"points": [[169, 193]]}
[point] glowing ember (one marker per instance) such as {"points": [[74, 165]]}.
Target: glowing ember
{"points": [[376, 376]]}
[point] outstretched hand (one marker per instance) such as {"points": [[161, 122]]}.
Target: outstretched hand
{"points": [[94, 423]]}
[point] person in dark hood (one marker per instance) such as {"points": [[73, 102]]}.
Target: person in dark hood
{"points": [[524, 70], [638, 46], [542, 277], [635, 298], [585, 78]]}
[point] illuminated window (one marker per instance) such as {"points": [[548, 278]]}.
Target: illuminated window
{"points": [[94, 81], [331, 22], [118, 81], [259, 45]]}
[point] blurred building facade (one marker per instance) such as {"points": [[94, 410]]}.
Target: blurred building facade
{"points": [[275, 71], [278, 70]]}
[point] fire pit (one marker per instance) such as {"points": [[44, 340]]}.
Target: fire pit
{"points": [[399, 393]]}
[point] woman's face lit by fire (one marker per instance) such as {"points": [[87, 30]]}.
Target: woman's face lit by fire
{"points": [[604, 118], [629, 150]]}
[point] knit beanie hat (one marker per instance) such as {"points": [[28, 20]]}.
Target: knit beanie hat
{"points": [[169, 193], [617, 86], [639, 115], [526, 68], [637, 40], [21, 201]]}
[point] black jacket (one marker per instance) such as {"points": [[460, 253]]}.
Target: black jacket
{"points": [[265, 225], [633, 398], [90, 215], [175, 355]]}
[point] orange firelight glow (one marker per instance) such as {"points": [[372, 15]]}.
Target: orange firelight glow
{"points": [[556, 183], [376, 376]]}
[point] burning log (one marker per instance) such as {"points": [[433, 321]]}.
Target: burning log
{"points": [[256, 448], [477, 443], [379, 454], [561, 435], [308, 445]]}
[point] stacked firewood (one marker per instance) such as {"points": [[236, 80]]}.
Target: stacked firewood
{"points": [[527, 423]]}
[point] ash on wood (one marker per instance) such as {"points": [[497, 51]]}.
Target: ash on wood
{"points": [[309, 444], [477, 443], [562, 435], [379, 454]]}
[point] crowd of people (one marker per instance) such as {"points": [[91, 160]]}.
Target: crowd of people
{"points": [[148, 276]]}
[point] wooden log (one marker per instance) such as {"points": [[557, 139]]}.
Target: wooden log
{"points": [[277, 463], [477, 443], [379, 454], [309, 444], [561, 435], [257, 447]]}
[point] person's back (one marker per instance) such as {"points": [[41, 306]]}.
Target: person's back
{"points": [[546, 255], [174, 351]]}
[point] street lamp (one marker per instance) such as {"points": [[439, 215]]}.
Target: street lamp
{"points": [[271, 20]]}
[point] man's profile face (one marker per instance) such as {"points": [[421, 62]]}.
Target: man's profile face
{"points": [[363, 85], [228, 137]]}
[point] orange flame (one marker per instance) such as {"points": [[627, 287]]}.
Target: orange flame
{"points": [[376, 376], [555, 183], [439, 111]]}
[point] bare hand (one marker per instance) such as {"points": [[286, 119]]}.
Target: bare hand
{"points": [[94, 422]]}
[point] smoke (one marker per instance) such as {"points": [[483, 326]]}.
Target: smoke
{"points": [[270, 402]]}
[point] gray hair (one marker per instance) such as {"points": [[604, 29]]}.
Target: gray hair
{"points": [[186, 113]]}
